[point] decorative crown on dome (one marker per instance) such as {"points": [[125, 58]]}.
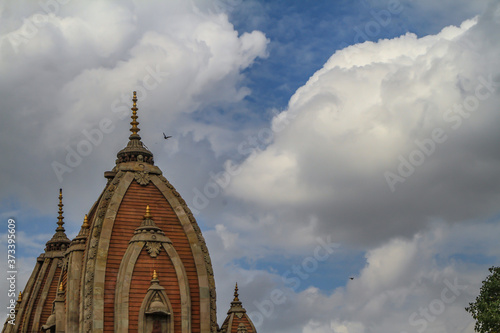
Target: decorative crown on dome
{"points": [[135, 151], [59, 241]]}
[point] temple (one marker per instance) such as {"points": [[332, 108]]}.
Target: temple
{"points": [[138, 264]]}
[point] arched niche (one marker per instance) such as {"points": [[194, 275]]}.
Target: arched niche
{"points": [[155, 315]]}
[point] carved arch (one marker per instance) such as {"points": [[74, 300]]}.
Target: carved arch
{"points": [[124, 280], [147, 318]]}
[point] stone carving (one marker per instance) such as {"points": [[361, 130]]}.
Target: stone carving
{"points": [[153, 248], [211, 280], [92, 251], [142, 178]]}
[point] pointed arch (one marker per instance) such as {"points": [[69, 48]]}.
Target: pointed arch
{"points": [[125, 278], [148, 316]]}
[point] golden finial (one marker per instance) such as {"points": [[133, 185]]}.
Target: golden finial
{"points": [[20, 297], [134, 122], [60, 218], [85, 224], [155, 276], [148, 213], [61, 288], [236, 299]]}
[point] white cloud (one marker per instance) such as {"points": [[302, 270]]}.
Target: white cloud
{"points": [[341, 152], [406, 286], [79, 65], [321, 175]]}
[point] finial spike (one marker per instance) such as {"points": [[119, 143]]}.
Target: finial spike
{"points": [[61, 288], [20, 297], [155, 276], [148, 213], [236, 299], [85, 224], [134, 129], [60, 218]]}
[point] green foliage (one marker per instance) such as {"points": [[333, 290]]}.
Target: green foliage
{"points": [[486, 309]]}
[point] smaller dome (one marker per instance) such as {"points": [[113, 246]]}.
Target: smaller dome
{"points": [[237, 321], [157, 307]]}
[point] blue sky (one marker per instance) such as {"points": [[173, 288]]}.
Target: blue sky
{"points": [[372, 125]]}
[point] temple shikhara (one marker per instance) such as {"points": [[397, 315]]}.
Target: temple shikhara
{"points": [[138, 264]]}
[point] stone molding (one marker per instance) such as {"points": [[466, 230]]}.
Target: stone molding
{"points": [[27, 292], [93, 279], [92, 295], [43, 295], [32, 296], [124, 280], [206, 281]]}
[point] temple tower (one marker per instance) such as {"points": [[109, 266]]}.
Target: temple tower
{"points": [[125, 245], [138, 264]]}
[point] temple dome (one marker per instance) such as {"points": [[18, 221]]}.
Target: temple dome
{"points": [[101, 280]]}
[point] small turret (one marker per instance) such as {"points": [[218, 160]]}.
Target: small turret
{"points": [[237, 321], [59, 241], [135, 151]]}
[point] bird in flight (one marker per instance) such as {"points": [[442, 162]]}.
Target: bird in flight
{"points": [[351, 278], [166, 137]]}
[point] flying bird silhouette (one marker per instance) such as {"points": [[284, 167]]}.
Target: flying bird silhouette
{"points": [[166, 137]]}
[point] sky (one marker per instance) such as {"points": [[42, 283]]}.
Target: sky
{"points": [[341, 157]]}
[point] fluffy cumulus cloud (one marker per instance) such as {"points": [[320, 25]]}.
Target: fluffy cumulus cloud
{"points": [[385, 138], [67, 71], [391, 147], [387, 155], [420, 284]]}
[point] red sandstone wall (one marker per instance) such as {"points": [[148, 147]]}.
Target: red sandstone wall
{"points": [[129, 217]]}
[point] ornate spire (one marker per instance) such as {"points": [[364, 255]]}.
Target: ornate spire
{"points": [[236, 303], [148, 224], [59, 241], [134, 122], [61, 287], [236, 299], [155, 276], [60, 218], [135, 151], [237, 313]]}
